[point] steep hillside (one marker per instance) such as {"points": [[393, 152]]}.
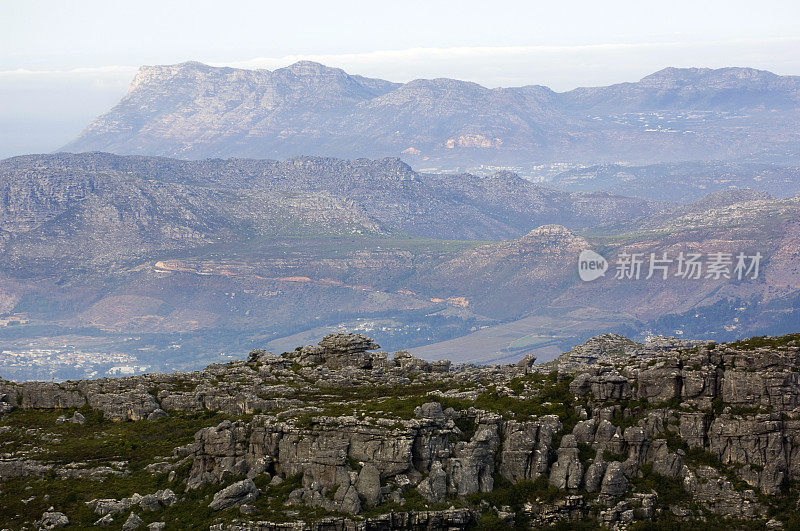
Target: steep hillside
{"points": [[175, 204]]}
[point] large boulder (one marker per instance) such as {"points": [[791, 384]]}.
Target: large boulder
{"points": [[239, 493], [614, 481], [131, 405], [567, 471], [434, 487], [527, 447], [48, 395], [338, 351], [368, 485], [52, 520]]}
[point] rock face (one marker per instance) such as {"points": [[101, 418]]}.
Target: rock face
{"points": [[567, 471], [53, 520], [339, 350], [239, 493], [669, 431]]}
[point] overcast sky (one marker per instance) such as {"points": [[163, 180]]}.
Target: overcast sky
{"points": [[62, 63]]}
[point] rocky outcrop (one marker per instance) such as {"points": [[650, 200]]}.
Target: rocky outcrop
{"points": [[567, 471], [344, 431], [446, 520], [389, 459], [526, 451], [239, 493], [52, 520], [149, 502]]}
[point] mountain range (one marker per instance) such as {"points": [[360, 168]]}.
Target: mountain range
{"points": [[117, 264], [195, 111]]}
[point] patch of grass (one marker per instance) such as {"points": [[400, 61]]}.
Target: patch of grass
{"points": [[609, 456], [515, 495], [552, 397], [467, 426], [674, 441], [96, 443], [701, 457], [491, 522], [585, 454], [669, 490], [100, 441], [517, 385], [766, 342]]}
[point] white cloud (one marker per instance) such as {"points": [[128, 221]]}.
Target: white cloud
{"points": [[89, 70], [562, 67]]}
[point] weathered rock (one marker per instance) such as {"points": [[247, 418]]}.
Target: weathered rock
{"points": [[603, 383], [356, 461], [149, 503], [104, 521], [52, 520], [429, 410], [527, 447], [567, 471], [614, 481], [157, 414], [525, 365], [235, 495], [595, 473], [434, 487], [368, 485], [110, 506], [42, 395], [340, 350], [132, 405], [133, 522], [471, 469]]}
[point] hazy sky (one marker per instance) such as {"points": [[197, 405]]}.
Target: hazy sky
{"points": [[61, 63]]}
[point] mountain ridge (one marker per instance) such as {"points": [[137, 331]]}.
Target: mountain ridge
{"points": [[173, 263], [195, 111]]}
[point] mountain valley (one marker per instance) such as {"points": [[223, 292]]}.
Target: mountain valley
{"points": [[133, 263]]}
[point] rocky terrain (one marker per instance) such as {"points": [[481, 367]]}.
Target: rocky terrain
{"points": [[195, 111], [658, 435]]}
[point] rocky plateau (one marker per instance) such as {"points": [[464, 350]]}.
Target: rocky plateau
{"points": [[616, 434]]}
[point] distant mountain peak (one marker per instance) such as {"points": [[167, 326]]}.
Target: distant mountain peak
{"points": [[310, 65], [733, 74], [193, 110]]}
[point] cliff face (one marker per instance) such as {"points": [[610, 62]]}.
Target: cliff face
{"points": [[334, 436]]}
